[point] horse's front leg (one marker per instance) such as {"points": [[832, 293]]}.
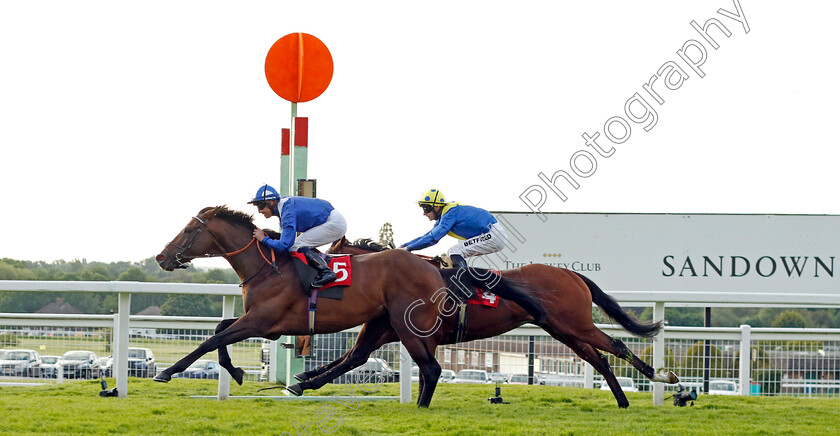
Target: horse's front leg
{"points": [[241, 329], [224, 357]]}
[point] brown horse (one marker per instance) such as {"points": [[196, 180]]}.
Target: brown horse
{"points": [[567, 297], [386, 286]]}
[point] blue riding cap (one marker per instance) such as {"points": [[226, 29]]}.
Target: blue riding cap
{"points": [[265, 193]]}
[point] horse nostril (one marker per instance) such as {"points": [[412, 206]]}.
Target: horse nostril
{"points": [[159, 258]]}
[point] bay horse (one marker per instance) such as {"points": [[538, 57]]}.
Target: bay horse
{"points": [[567, 297], [384, 287]]}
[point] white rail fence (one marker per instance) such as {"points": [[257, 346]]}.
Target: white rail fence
{"points": [[802, 362]]}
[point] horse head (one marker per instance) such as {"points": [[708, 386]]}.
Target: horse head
{"points": [[205, 237]]}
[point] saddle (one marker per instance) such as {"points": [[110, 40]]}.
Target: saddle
{"points": [[306, 273], [466, 295]]}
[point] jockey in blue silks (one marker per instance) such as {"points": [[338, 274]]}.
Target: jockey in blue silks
{"points": [[317, 221], [478, 229]]}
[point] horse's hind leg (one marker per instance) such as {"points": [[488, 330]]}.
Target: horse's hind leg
{"points": [[224, 356], [373, 335], [429, 369], [307, 375], [598, 361], [615, 346]]}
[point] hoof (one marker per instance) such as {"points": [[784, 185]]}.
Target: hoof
{"points": [[295, 390], [301, 377], [238, 375], [673, 379], [664, 376], [162, 377]]}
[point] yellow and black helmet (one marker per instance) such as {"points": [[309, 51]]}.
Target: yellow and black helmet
{"points": [[432, 197]]}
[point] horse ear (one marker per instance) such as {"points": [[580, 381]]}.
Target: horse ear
{"points": [[216, 210]]}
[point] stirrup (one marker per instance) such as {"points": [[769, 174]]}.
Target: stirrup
{"points": [[325, 279]]}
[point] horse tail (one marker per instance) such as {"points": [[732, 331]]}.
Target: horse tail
{"points": [[616, 313], [506, 288]]}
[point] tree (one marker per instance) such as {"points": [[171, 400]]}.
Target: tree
{"points": [[133, 274], [790, 318], [188, 305], [694, 361], [386, 235], [681, 316]]}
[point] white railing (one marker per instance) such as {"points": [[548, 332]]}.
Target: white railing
{"points": [[121, 323]]}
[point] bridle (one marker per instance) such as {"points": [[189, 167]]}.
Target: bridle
{"points": [[183, 261]]}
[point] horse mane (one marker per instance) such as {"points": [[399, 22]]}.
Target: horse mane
{"points": [[241, 219], [368, 244]]}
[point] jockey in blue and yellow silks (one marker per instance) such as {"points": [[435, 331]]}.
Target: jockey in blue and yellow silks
{"points": [[317, 221], [478, 229]]}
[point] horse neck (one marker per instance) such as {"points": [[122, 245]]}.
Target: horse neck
{"points": [[249, 262], [345, 249]]}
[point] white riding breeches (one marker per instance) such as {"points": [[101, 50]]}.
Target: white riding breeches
{"points": [[491, 242], [332, 230]]}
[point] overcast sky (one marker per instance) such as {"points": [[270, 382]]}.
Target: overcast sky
{"points": [[121, 120]]}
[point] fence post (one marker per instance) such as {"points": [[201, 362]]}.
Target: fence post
{"points": [[588, 376], [272, 361], [659, 353], [531, 379], [224, 376], [115, 344], [405, 375], [744, 364], [120, 365]]}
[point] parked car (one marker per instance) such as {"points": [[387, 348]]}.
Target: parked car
{"points": [[80, 364], [446, 376], [723, 387], [569, 380], [105, 365], [141, 362], [626, 384], [375, 370], [204, 369], [520, 379], [471, 376], [21, 363], [497, 376], [49, 366]]}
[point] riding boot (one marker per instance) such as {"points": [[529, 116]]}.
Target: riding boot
{"points": [[467, 291], [458, 261], [325, 274]]}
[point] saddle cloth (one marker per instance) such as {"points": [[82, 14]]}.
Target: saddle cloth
{"points": [[340, 265]]}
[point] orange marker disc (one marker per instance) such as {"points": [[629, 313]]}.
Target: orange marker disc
{"points": [[298, 67]]}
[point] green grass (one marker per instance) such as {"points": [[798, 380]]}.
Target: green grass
{"points": [[154, 408]]}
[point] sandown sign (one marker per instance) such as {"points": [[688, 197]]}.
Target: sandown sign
{"points": [[681, 252]]}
